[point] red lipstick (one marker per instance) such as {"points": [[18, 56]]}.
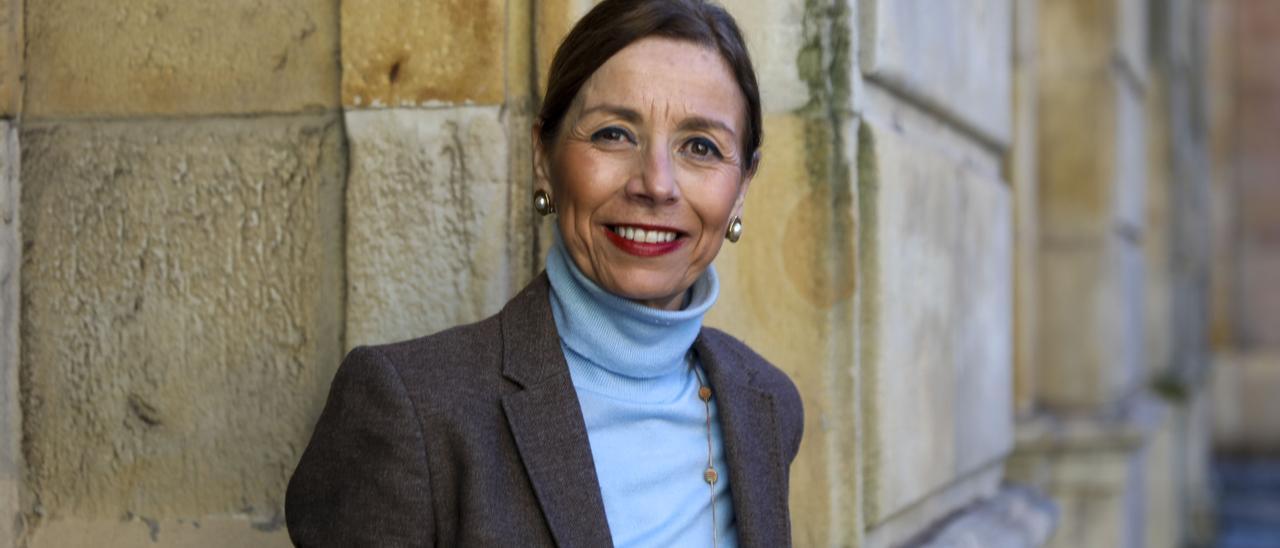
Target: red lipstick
{"points": [[644, 249]]}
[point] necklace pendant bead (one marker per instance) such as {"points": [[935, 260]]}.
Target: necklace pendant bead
{"points": [[704, 393], [710, 476]]}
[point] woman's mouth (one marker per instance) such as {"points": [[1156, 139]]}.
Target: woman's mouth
{"points": [[644, 240]]}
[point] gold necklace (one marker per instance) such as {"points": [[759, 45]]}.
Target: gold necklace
{"points": [[709, 475]]}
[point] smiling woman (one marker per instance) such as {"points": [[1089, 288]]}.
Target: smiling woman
{"points": [[647, 168], [594, 409]]}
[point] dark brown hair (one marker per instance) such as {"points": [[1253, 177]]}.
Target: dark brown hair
{"points": [[614, 24]]}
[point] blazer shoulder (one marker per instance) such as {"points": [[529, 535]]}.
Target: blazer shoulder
{"points": [[764, 374], [767, 377], [458, 354]]}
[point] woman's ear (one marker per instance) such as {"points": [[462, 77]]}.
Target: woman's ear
{"points": [[541, 160], [747, 176]]}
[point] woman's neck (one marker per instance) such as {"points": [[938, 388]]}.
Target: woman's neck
{"points": [[625, 337]]}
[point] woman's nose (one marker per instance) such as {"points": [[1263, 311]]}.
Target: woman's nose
{"points": [[656, 181]]}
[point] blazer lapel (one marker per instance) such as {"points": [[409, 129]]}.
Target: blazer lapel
{"points": [[752, 448], [546, 421]]}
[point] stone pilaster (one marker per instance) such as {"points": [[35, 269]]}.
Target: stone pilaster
{"points": [[936, 268], [788, 288]]}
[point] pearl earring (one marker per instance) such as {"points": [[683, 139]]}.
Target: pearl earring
{"points": [[542, 203], [735, 230]]}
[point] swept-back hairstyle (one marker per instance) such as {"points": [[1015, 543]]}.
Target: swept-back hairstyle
{"points": [[614, 24]]}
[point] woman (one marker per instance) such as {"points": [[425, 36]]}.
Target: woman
{"points": [[594, 409]]}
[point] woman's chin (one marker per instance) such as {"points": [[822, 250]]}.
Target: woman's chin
{"points": [[655, 293]]}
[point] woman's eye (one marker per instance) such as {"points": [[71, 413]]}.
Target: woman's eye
{"points": [[703, 148], [610, 134]]}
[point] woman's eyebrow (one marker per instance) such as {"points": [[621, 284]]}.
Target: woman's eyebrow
{"points": [[628, 114], [705, 124]]}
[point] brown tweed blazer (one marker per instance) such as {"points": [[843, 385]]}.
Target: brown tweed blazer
{"points": [[474, 437]]}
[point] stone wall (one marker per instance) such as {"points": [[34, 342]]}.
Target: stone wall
{"points": [[1246, 231], [972, 243], [1113, 428], [182, 197]]}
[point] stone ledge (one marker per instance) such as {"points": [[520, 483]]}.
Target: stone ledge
{"points": [[1017, 516], [131, 530], [1127, 426]]}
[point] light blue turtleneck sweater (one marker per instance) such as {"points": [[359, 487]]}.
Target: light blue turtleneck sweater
{"points": [[633, 368]]}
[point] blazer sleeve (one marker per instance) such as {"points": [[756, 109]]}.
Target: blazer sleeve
{"points": [[363, 478]]}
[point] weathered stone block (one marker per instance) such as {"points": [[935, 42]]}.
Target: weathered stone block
{"points": [[409, 53], [936, 263], [953, 55], [123, 57], [1081, 35], [787, 291], [181, 311], [1092, 167], [1091, 319], [1092, 125], [774, 31], [1076, 155], [552, 20], [11, 51], [431, 241]]}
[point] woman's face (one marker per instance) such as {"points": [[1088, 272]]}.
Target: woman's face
{"points": [[647, 169]]}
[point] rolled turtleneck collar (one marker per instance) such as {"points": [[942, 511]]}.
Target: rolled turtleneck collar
{"points": [[618, 335]]}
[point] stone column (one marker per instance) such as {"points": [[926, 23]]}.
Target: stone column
{"points": [[1021, 169], [788, 288], [936, 267], [1087, 441], [1178, 252], [182, 268]]}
